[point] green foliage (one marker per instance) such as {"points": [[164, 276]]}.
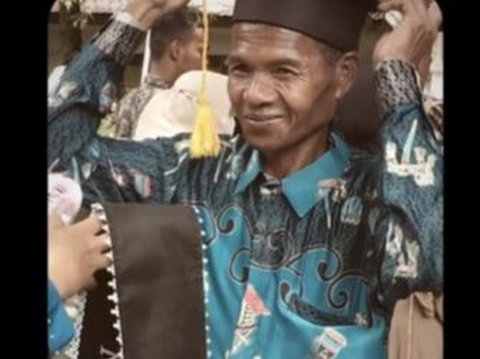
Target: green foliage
{"points": [[69, 4], [79, 18]]}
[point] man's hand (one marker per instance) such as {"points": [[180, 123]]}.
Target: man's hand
{"points": [[146, 12], [413, 38], [75, 253]]}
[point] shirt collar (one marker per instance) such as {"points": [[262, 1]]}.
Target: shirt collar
{"points": [[301, 187], [156, 82]]}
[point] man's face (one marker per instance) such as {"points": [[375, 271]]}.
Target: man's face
{"points": [[192, 52], [281, 87]]}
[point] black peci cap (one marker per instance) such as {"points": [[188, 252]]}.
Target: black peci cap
{"points": [[336, 23]]}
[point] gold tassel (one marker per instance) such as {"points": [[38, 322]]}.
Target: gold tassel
{"points": [[204, 141]]}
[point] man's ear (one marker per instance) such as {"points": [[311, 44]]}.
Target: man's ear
{"points": [[175, 50], [346, 72]]}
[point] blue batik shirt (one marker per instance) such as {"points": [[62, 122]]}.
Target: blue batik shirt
{"points": [[303, 267]]}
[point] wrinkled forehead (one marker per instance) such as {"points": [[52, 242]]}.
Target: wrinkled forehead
{"points": [[246, 36]]}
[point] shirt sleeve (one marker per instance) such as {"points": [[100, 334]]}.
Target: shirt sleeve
{"points": [[60, 327], [129, 110], [107, 169], [88, 89], [409, 225]]}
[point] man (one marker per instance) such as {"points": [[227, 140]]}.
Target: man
{"points": [[305, 241], [176, 47]]}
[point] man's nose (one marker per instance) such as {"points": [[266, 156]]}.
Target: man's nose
{"points": [[259, 90]]}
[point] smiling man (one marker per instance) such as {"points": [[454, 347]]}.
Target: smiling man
{"points": [[284, 90], [305, 241]]}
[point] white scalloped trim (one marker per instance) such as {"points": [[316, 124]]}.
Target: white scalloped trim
{"points": [[205, 281], [99, 211]]}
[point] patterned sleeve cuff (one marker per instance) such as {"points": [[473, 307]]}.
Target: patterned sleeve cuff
{"points": [[397, 83], [119, 40], [128, 19]]}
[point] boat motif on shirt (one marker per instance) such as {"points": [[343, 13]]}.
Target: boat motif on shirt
{"points": [[252, 308]]}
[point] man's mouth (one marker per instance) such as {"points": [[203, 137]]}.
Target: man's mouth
{"points": [[262, 120]]}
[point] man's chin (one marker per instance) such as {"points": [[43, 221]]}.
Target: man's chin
{"points": [[264, 143]]}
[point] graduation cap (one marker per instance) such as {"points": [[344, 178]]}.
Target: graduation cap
{"points": [[336, 23]]}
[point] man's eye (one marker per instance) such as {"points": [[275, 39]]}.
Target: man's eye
{"points": [[284, 71], [238, 70]]}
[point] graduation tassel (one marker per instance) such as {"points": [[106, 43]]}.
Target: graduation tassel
{"points": [[204, 141]]}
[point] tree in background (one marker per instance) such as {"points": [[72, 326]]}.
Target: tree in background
{"points": [[72, 18]]}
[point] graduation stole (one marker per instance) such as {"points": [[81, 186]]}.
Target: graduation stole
{"points": [[150, 302]]}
